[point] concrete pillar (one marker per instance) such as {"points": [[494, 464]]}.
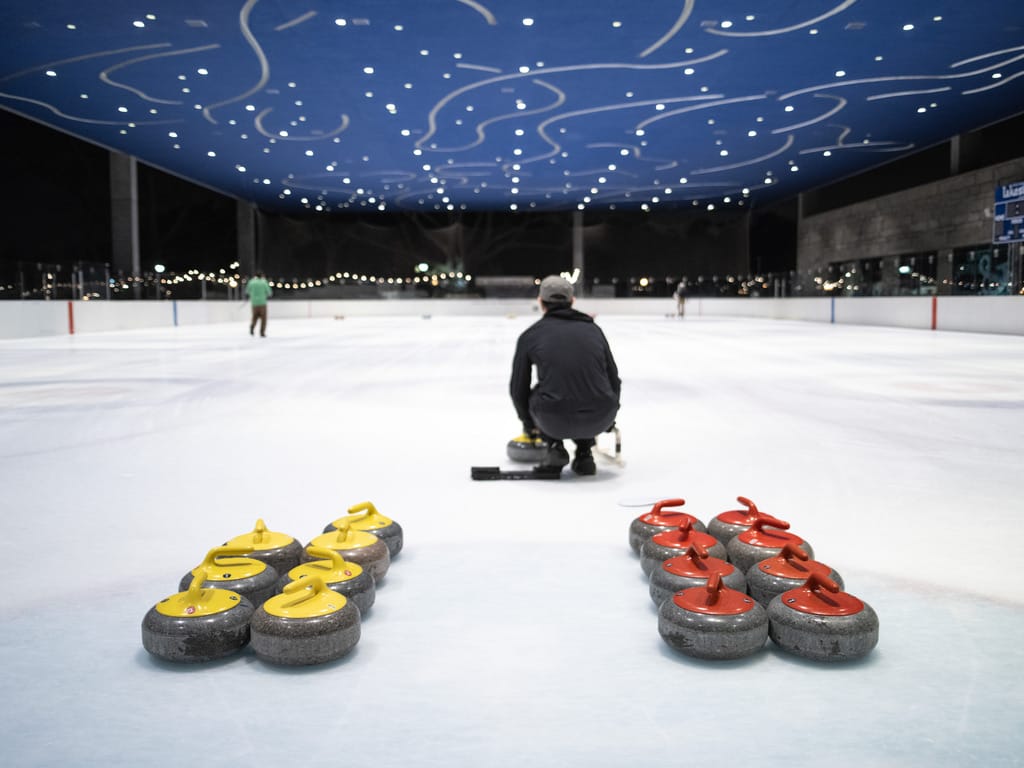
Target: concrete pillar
{"points": [[577, 251], [944, 272], [124, 216], [245, 224]]}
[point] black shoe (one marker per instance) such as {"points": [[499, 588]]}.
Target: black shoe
{"points": [[583, 463], [557, 457]]}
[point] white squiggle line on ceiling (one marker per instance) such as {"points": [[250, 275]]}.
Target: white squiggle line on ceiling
{"points": [[986, 56], [298, 20], [480, 67], [243, 21], [259, 127], [837, 108], [105, 74], [481, 10], [838, 9], [672, 113], [635, 151], [85, 120], [898, 78], [432, 115], [556, 147], [878, 146], [480, 134], [86, 57], [672, 32], [997, 84], [896, 94], [718, 168]]}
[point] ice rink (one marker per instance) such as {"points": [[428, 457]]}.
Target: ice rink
{"points": [[515, 629]]}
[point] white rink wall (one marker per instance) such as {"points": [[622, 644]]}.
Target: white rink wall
{"points": [[979, 314]]}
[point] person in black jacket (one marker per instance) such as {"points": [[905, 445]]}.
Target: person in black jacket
{"points": [[577, 392]]}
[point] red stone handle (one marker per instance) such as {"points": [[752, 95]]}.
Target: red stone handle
{"points": [[667, 503]]}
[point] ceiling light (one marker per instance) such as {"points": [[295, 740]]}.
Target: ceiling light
{"points": [[907, 27], [527, 22], [616, 24], [367, 70], [840, 73], [726, 24], [340, 22]]}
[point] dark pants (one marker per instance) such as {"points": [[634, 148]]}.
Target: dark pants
{"points": [[259, 313]]}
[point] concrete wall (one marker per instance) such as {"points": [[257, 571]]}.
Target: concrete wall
{"points": [[951, 213], [981, 314]]}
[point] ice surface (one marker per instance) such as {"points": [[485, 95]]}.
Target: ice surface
{"points": [[515, 629]]}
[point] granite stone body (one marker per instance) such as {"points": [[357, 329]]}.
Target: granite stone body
{"points": [[305, 641], [763, 586], [256, 588], [713, 637], [652, 554], [391, 534], [725, 532], [197, 638], [375, 558], [281, 559], [664, 583], [360, 589], [640, 531], [822, 638], [526, 452], [743, 554]]}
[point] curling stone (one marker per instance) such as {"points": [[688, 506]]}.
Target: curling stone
{"points": [[247, 576], [306, 624], [532, 450], [199, 624], [765, 538], [278, 550], [345, 578], [659, 520], [821, 622], [787, 570], [713, 622], [692, 569], [674, 542], [365, 517], [360, 547], [734, 522]]}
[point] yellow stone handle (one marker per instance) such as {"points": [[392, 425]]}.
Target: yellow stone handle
{"points": [[309, 587], [215, 556], [366, 507], [195, 589], [337, 562], [260, 531]]}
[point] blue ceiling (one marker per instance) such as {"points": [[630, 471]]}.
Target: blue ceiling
{"points": [[485, 105]]}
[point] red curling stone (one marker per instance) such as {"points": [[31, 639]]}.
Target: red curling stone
{"points": [[675, 542], [659, 520], [765, 538], [692, 569]]}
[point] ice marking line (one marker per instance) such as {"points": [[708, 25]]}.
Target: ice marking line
{"points": [[258, 122], [908, 93], [86, 57], [717, 168], [85, 120], [105, 74], [243, 21], [996, 84], [297, 20], [783, 30], [432, 115], [673, 30], [838, 108], [481, 10]]}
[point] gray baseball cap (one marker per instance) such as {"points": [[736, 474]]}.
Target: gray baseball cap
{"points": [[555, 289]]}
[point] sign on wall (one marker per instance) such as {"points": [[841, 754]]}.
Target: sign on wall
{"points": [[1008, 214]]}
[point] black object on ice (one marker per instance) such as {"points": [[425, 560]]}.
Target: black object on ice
{"points": [[496, 473]]}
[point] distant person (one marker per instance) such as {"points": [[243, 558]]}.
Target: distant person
{"points": [[258, 290], [680, 294], [577, 392]]}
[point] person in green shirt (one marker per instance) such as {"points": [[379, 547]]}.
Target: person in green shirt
{"points": [[258, 290]]}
